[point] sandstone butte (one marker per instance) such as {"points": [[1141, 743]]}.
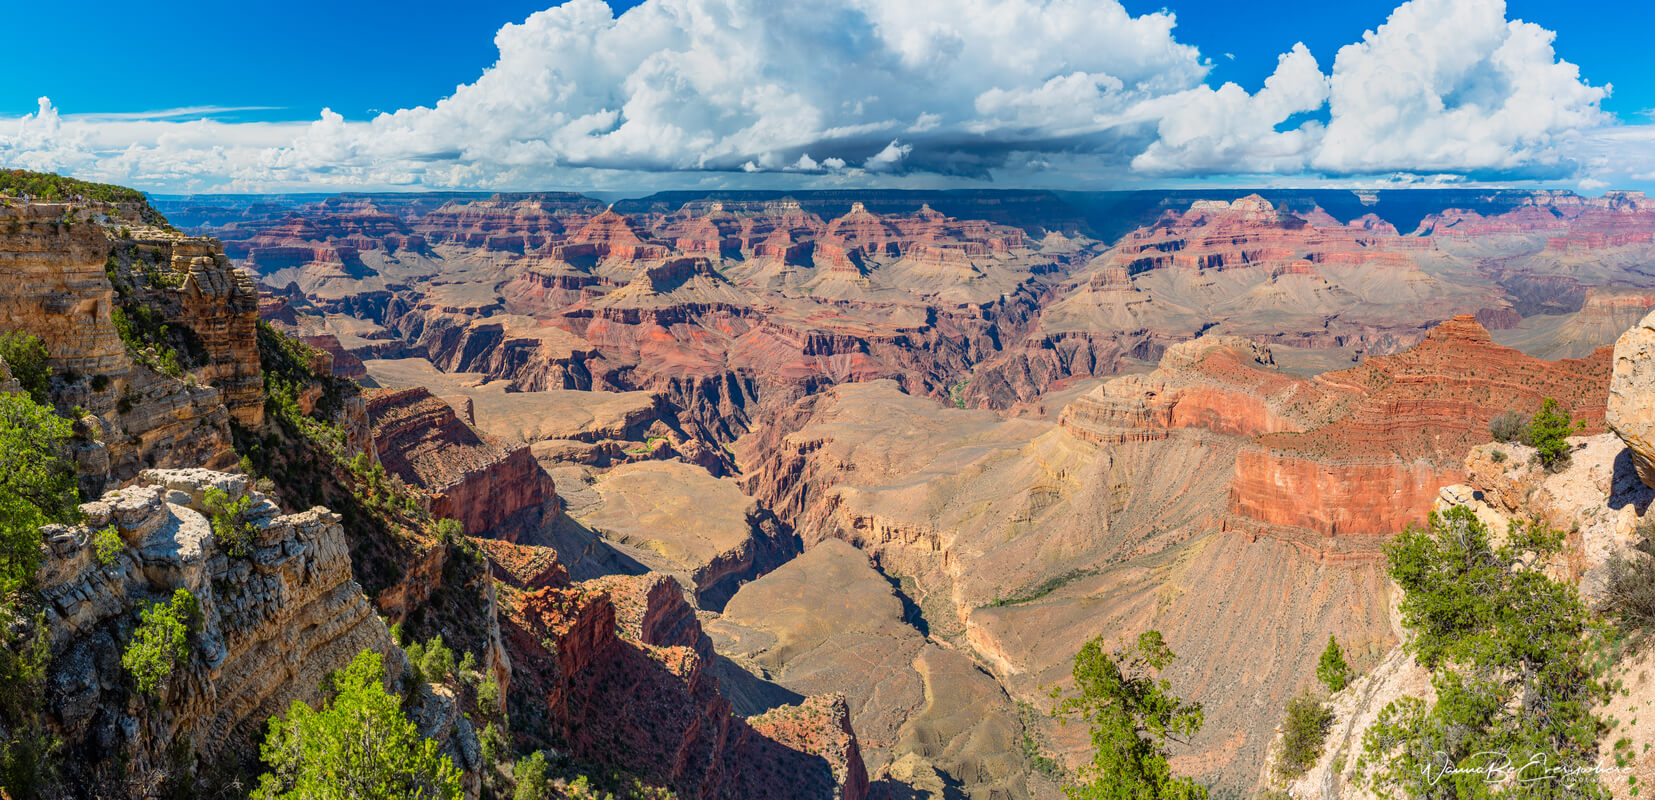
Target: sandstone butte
{"points": [[1601, 497]]}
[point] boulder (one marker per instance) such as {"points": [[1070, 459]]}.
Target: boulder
{"points": [[1631, 412]]}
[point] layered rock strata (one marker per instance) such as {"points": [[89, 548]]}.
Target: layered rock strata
{"points": [[618, 672], [273, 623], [493, 489]]}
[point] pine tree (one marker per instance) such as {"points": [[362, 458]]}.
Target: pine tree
{"points": [[1132, 714], [1549, 432], [359, 745], [1333, 672]]}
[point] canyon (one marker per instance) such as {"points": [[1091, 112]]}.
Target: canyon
{"points": [[781, 495], [1033, 418]]}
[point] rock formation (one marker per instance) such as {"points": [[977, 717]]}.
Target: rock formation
{"points": [[492, 489], [1631, 414], [273, 623], [618, 672]]}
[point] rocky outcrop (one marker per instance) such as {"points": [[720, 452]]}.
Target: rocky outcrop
{"points": [[1415, 416], [168, 401], [1631, 414], [617, 672], [1223, 384], [52, 262], [1596, 501], [273, 623], [216, 302], [493, 489]]}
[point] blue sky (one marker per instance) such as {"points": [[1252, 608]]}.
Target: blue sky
{"points": [[1155, 109]]}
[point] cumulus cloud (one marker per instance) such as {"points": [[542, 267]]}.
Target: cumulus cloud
{"points": [[1226, 130], [883, 90], [1453, 85]]}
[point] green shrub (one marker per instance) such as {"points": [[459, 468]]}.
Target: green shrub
{"points": [[1303, 730], [530, 775], [1332, 670], [488, 693], [1549, 432], [1509, 426], [107, 545], [229, 518], [141, 330], [37, 484], [449, 531], [358, 745], [25, 653], [1498, 455], [1132, 714], [1508, 650], [433, 662], [161, 642], [26, 357]]}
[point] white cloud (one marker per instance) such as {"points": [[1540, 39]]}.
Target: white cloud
{"points": [[1226, 130], [1453, 85], [889, 158], [1444, 90]]}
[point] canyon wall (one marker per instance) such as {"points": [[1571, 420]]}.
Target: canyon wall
{"points": [[493, 489], [274, 622], [618, 671]]}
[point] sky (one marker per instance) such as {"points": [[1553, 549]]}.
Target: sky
{"points": [[679, 94]]}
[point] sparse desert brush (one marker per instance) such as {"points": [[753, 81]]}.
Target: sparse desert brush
{"points": [[1304, 728], [1509, 426]]}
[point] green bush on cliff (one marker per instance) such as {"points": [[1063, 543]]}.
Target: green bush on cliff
{"points": [[145, 337], [358, 745], [1509, 426], [1549, 434], [229, 519], [1629, 590], [1332, 670], [1509, 653], [433, 662], [26, 745], [50, 186], [162, 641], [107, 545], [530, 775], [1304, 728], [1132, 714], [37, 485], [26, 357]]}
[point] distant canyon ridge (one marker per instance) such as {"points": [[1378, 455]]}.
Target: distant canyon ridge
{"points": [[915, 448]]}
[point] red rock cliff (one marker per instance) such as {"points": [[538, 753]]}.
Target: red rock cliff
{"points": [[491, 488]]}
